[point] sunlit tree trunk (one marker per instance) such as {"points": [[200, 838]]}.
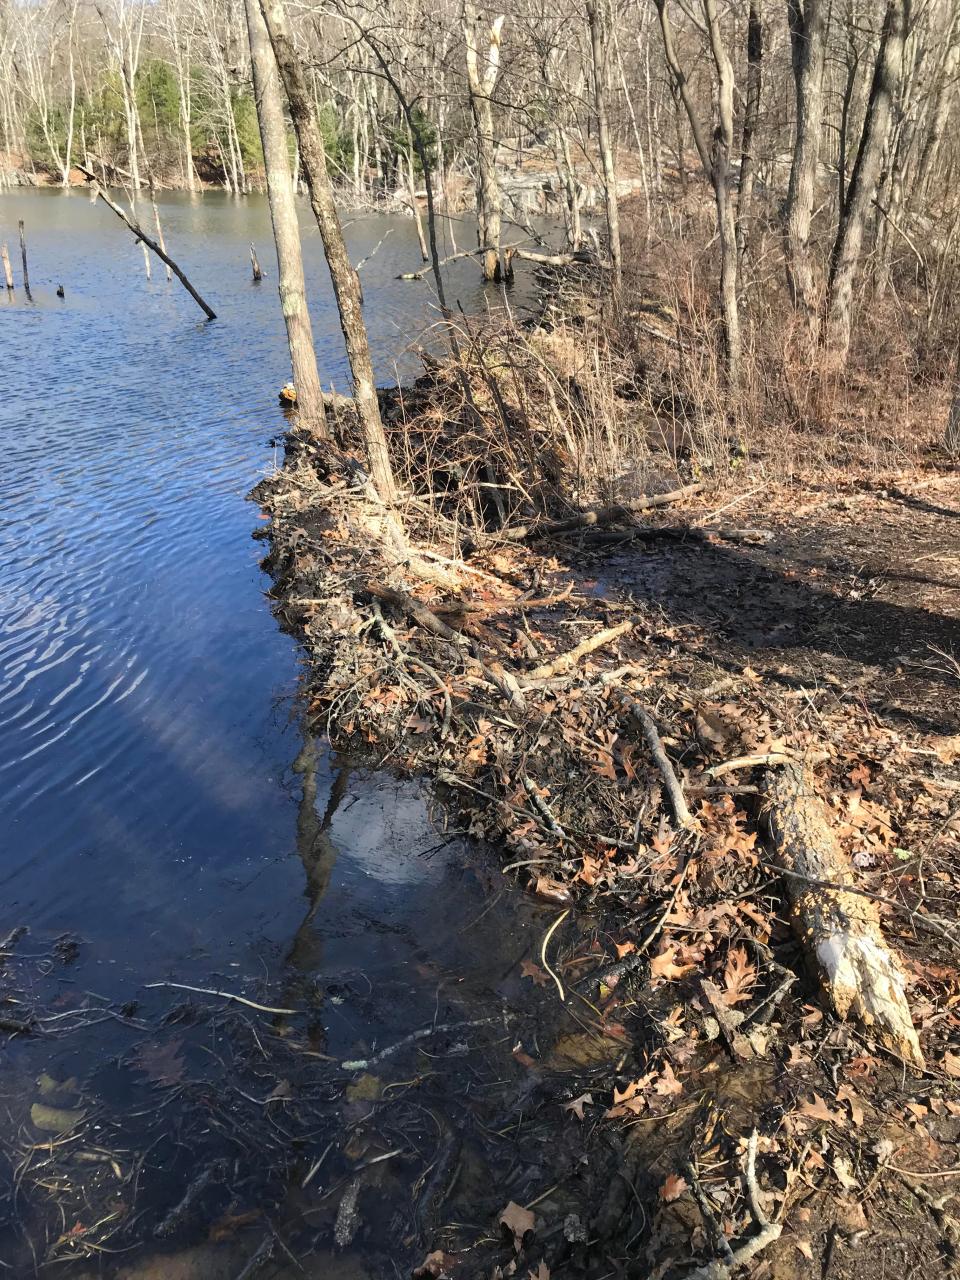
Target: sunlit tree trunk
{"points": [[286, 232], [598, 20], [952, 439], [480, 86], [751, 117], [346, 286], [808, 38], [845, 256]]}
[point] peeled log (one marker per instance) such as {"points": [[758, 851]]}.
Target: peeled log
{"points": [[839, 931]]}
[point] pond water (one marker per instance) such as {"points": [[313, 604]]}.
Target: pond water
{"points": [[160, 811]]}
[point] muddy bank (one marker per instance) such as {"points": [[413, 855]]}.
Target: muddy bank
{"points": [[511, 687]]}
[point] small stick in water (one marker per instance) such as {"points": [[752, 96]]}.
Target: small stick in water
{"points": [[23, 255], [255, 263], [156, 219], [7, 269]]}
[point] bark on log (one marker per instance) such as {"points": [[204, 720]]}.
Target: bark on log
{"points": [[839, 931]]}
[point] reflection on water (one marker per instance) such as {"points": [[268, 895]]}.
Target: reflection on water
{"points": [[148, 804]]}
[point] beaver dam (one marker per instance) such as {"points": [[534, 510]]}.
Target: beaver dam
{"points": [[707, 723]]}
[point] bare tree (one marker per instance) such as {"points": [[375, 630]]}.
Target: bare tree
{"points": [[286, 232], [845, 255], [346, 286], [481, 83], [715, 158]]}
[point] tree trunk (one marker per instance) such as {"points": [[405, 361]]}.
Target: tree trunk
{"points": [[863, 183], [839, 931], [480, 87], [599, 38], [751, 116], [716, 163], [952, 437], [808, 37], [346, 286], [286, 232]]}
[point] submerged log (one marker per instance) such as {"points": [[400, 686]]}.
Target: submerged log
{"points": [[839, 930]]}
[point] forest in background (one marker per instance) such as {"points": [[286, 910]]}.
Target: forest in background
{"points": [[811, 145]]}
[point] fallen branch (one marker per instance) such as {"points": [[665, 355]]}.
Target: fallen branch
{"points": [[224, 995], [839, 928], [749, 762], [567, 661], [600, 516], [141, 235], [424, 1033], [747, 1250], [651, 737]]}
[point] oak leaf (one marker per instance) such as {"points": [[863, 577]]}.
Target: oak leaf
{"points": [[576, 1105], [518, 1222], [664, 965], [673, 1188]]}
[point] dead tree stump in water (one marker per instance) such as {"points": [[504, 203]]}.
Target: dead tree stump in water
{"points": [[839, 930], [23, 255], [255, 263], [7, 269]]}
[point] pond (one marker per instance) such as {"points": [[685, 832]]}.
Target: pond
{"points": [[163, 818]]}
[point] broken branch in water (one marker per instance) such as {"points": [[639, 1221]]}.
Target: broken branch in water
{"points": [[362, 1064], [224, 995], [142, 236]]}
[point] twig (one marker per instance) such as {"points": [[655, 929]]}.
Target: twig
{"points": [[542, 807], [224, 995], [543, 950], [424, 1033], [722, 1268], [749, 762]]}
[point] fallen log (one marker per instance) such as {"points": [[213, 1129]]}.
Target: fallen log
{"points": [[839, 929], [598, 517]]}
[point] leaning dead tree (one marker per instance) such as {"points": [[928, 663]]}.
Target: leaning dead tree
{"points": [[286, 232], [346, 285], [146, 241], [481, 83]]}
